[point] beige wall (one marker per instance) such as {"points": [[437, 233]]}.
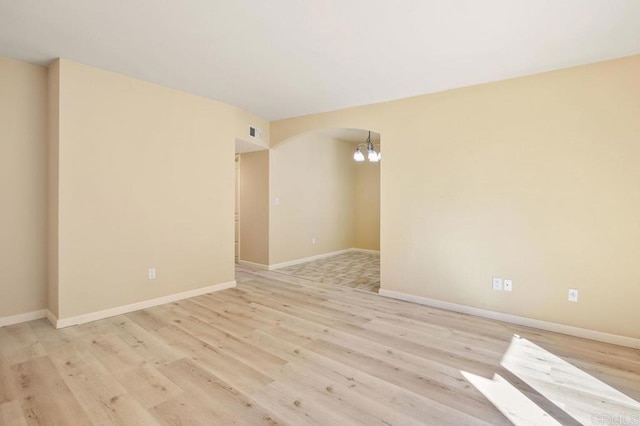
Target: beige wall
{"points": [[254, 207], [533, 179], [312, 176], [53, 154], [244, 120], [145, 180], [23, 169], [320, 188], [367, 205]]}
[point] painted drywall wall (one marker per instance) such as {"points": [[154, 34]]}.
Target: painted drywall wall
{"points": [[533, 179], [244, 120], [312, 177], [145, 180], [53, 158], [23, 177], [311, 204], [254, 207], [367, 205]]}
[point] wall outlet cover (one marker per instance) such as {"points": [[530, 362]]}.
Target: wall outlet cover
{"points": [[573, 295], [497, 283], [508, 285]]}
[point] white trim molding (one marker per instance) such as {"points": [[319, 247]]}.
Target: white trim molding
{"points": [[366, 250], [119, 310], [514, 319], [27, 316], [252, 265], [306, 259], [52, 318], [316, 257]]}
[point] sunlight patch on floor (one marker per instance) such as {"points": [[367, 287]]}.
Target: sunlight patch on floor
{"points": [[519, 409], [579, 394]]}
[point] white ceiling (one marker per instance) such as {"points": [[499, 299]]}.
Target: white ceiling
{"points": [[282, 58]]}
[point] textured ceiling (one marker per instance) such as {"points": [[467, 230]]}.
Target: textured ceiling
{"points": [[283, 58]]}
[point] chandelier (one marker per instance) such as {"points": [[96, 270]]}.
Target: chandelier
{"points": [[372, 155]]}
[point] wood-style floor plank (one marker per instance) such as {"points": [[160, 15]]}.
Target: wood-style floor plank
{"points": [[44, 396], [98, 391], [283, 349], [11, 414], [231, 403], [19, 343]]}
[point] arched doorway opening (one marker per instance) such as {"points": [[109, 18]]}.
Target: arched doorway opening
{"points": [[323, 209]]}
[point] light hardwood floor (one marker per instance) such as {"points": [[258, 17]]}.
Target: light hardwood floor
{"points": [[291, 351]]}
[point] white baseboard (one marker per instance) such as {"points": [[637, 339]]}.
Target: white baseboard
{"points": [[52, 318], [306, 259], [253, 265], [119, 310], [27, 316], [365, 250], [316, 257], [514, 319]]}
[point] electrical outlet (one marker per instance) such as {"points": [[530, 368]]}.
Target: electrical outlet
{"points": [[313, 240], [152, 273], [497, 283], [276, 201], [508, 285], [573, 295]]}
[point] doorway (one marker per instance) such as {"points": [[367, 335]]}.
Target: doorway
{"points": [[325, 211]]}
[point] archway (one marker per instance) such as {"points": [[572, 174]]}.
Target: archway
{"points": [[324, 205]]}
